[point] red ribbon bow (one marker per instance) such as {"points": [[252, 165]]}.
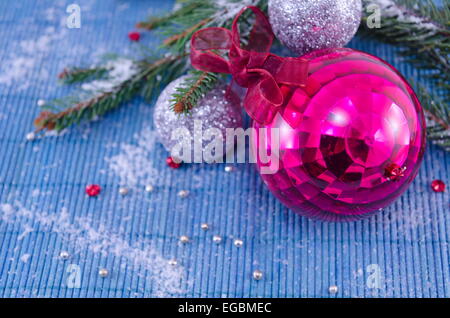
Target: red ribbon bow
{"points": [[253, 67]]}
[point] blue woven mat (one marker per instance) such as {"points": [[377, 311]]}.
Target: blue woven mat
{"points": [[402, 252]]}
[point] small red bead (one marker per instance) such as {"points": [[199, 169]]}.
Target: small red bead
{"points": [[171, 163], [438, 186], [394, 172], [93, 190], [134, 36]]}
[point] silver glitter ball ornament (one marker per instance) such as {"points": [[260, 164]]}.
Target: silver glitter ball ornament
{"points": [[307, 25], [214, 110]]}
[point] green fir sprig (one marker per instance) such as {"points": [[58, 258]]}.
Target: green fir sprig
{"points": [[78, 75], [194, 87], [60, 114]]}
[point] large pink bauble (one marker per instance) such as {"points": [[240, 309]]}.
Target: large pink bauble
{"points": [[351, 141]]}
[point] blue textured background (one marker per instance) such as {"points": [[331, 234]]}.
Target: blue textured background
{"points": [[43, 209]]}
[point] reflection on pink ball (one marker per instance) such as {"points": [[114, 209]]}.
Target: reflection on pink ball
{"points": [[351, 141]]}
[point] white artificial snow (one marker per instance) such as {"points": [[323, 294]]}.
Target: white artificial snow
{"points": [[120, 70], [16, 67], [132, 164], [390, 9], [228, 10], [82, 235], [25, 257]]}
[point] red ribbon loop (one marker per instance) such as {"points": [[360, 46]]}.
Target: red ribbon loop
{"points": [[253, 67]]}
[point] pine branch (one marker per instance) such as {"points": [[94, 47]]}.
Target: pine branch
{"points": [[195, 86], [437, 115], [422, 31], [77, 75], [168, 19], [143, 80], [183, 37]]}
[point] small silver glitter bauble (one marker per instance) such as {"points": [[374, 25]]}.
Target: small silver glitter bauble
{"points": [[212, 111], [183, 193], [205, 226], [229, 169], [173, 262], [217, 239], [149, 188], [30, 136], [64, 255], [103, 272], [333, 289], [307, 25], [184, 239], [238, 242], [123, 191], [257, 275]]}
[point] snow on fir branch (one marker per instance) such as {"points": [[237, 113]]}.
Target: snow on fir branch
{"points": [[125, 80]]}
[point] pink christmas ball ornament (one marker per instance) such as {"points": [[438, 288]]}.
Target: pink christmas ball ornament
{"points": [[351, 141]]}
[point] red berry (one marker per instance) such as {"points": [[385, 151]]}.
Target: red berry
{"points": [[134, 36], [93, 190], [438, 186], [171, 163]]}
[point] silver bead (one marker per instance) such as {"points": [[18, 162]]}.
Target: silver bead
{"points": [[123, 191], [217, 239], [183, 193], [173, 262], [64, 255], [30, 136], [103, 272], [228, 168], [40, 102], [238, 242], [333, 289], [184, 239], [149, 188], [205, 226], [257, 275]]}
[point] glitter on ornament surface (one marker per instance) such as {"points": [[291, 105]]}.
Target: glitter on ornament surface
{"points": [[307, 25], [355, 118], [213, 110], [438, 186]]}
